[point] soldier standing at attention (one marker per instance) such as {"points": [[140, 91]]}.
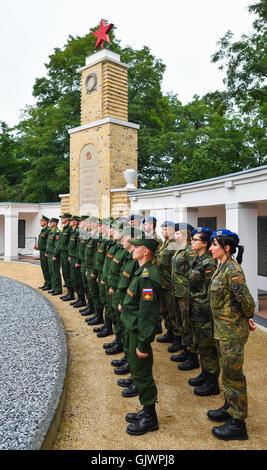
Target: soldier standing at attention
{"points": [[200, 274], [53, 255], [41, 246], [163, 263], [149, 227], [75, 270], [232, 308], [140, 317], [64, 242], [135, 220]]}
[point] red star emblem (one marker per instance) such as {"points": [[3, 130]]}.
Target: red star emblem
{"points": [[102, 33]]}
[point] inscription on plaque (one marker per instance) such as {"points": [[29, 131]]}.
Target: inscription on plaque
{"points": [[89, 180]]}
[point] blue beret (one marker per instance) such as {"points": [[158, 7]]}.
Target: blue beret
{"points": [[168, 223], [135, 217], [224, 232], [149, 219], [183, 225], [201, 230]]}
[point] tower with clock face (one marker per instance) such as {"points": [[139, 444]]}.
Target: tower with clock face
{"points": [[104, 146]]}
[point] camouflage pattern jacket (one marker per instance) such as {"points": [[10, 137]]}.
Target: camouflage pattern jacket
{"points": [[200, 274], [164, 256], [181, 263], [230, 301]]}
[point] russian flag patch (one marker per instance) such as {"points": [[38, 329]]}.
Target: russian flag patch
{"points": [[147, 294]]}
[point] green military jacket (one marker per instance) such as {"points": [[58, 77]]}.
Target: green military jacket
{"points": [[140, 309], [53, 242], [164, 256], [65, 238], [101, 254], [116, 266], [113, 247], [181, 263], [81, 248], [200, 274], [73, 244], [230, 301], [129, 267], [42, 239], [90, 252]]}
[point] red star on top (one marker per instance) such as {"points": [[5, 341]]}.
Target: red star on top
{"points": [[102, 33]]}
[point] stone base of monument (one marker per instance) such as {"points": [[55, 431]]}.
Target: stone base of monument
{"points": [[33, 355]]}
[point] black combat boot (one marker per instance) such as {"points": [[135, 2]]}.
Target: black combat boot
{"points": [[147, 422], [123, 369], [167, 338], [233, 429], [107, 330], [190, 363], [50, 291], [46, 288], [125, 382], [134, 417], [176, 345], [69, 296], [63, 296], [81, 302], [119, 362], [221, 414], [199, 380], [117, 348], [180, 357], [42, 287], [130, 391], [209, 387], [57, 292], [97, 319], [111, 344], [88, 310]]}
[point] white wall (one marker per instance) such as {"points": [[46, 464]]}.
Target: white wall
{"points": [[2, 234]]}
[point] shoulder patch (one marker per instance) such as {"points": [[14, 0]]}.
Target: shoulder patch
{"points": [[147, 294], [145, 272]]}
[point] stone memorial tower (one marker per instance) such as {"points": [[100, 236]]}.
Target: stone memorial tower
{"points": [[104, 146]]}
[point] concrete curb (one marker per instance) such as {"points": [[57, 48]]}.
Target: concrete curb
{"points": [[33, 368]]}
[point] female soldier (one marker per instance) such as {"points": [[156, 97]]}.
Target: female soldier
{"points": [[232, 309], [181, 262], [200, 275]]}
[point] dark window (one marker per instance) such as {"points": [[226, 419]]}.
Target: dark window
{"points": [[207, 222], [262, 245], [21, 234]]}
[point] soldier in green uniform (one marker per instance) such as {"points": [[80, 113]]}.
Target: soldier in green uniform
{"points": [[64, 243], [232, 308], [41, 246], [200, 274], [75, 269], [149, 227], [82, 240], [181, 263], [163, 262], [53, 255], [91, 271], [140, 317]]}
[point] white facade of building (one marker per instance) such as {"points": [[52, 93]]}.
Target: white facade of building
{"points": [[20, 226], [237, 202]]}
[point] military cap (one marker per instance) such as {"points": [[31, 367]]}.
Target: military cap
{"points": [[224, 232], [75, 217], [83, 217], [122, 218], [93, 218], [65, 216], [119, 225], [54, 220], [134, 232], [135, 217], [46, 219], [168, 223], [150, 243], [149, 219], [107, 220], [201, 230], [183, 226]]}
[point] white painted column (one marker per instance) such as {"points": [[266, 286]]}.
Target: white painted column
{"points": [[11, 235], [188, 215], [242, 219]]}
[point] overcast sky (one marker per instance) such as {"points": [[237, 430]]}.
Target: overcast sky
{"points": [[183, 33]]}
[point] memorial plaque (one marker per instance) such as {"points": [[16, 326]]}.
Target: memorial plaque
{"points": [[89, 181]]}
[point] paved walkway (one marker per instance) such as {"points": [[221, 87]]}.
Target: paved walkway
{"points": [[94, 411]]}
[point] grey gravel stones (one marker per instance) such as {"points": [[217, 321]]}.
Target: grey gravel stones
{"points": [[33, 360]]}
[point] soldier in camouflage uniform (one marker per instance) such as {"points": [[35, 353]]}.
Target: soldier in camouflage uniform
{"points": [[232, 309], [41, 246], [53, 255], [163, 262], [200, 274], [181, 263]]}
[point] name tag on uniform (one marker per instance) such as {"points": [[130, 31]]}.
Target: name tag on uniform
{"points": [[147, 294]]}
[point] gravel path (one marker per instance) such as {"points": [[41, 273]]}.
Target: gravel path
{"points": [[32, 365]]}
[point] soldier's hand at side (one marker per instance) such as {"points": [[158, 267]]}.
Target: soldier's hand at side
{"points": [[46, 254], [140, 354], [103, 283], [69, 259], [119, 307], [54, 258], [252, 325], [111, 291], [77, 265], [93, 276]]}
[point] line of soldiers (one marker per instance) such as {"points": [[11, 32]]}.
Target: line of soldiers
{"points": [[127, 281]]}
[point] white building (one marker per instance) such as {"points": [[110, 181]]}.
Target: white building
{"points": [[237, 202], [20, 226]]}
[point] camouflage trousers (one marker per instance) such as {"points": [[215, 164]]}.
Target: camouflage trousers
{"points": [[208, 354], [166, 308], [231, 356], [93, 290], [184, 325]]}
